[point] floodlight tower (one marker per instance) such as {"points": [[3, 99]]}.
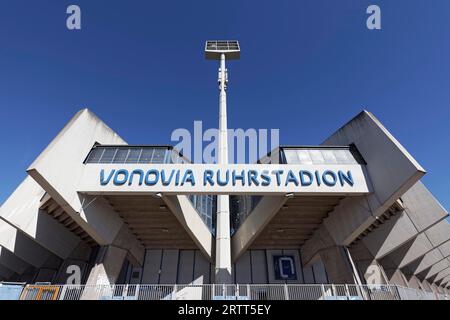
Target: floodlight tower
{"points": [[222, 50]]}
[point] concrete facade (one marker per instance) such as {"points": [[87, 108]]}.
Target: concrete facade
{"points": [[395, 234]]}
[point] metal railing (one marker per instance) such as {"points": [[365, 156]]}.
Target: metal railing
{"points": [[227, 292]]}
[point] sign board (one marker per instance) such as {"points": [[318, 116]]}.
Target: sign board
{"points": [[223, 179], [284, 267]]}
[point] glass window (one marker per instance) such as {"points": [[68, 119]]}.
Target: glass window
{"points": [[329, 157], [108, 155], [291, 156], [316, 156], [146, 156], [121, 155], [95, 155], [304, 157], [133, 156], [159, 155], [344, 156]]}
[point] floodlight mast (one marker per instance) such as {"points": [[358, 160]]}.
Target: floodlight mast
{"points": [[220, 50]]}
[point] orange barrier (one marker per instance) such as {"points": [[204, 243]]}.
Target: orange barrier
{"points": [[40, 292]]}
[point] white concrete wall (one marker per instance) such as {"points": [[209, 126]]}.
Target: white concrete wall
{"points": [[164, 266], [191, 266]]}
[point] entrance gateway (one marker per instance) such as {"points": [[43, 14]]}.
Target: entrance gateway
{"points": [[146, 215], [224, 179], [341, 176]]}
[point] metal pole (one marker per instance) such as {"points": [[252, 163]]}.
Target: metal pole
{"points": [[223, 251]]}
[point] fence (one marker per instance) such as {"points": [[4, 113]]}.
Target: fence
{"points": [[227, 292]]}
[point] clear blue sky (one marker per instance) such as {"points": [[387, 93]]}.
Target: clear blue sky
{"points": [[307, 67]]}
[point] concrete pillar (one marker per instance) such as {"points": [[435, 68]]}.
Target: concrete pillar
{"points": [[6, 273], [12, 262], [445, 281], [48, 272], [434, 288], [413, 282], [337, 265], [29, 275], [107, 267], [77, 261], [436, 268], [441, 275], [369, 269], [426, 285], [393, 274]]}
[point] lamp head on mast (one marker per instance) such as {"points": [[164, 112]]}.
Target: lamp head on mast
{"points": [[222, 50], [215, 48]]}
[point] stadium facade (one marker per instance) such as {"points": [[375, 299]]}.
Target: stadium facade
{"points": [[351, 210], [64, 213]]}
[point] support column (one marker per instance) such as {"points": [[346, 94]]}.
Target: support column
{"points": [[77, 260], [426, 285], [368, 267], [337, 265], [393, 273], [107, 267], [223, 245], [334, 257]]}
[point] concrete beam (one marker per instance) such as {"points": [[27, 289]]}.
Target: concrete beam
{"points": [[436, 268], [188, 217], [392, 172], [104, 220], [430, 258], [439, 233], [79, 257], [393, 273], [367, 266], [21, 210], [434, 238], [441, 275], [254, 224], [21, 245], [411, 251], [421, 212], [414, 282], [445, 281], [12, 262], [6, 273], [107, 268], [426, 285], [57, 171]]}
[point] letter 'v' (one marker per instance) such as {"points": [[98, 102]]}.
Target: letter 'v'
{"points": [[102, 177]]}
